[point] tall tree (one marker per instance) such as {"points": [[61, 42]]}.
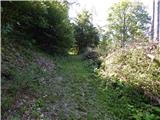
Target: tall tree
{"points": [[127, 21], [46, 22], [86, 34]]}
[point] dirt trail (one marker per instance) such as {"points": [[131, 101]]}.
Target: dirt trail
{"points": [[69, 92], [74, 87]]}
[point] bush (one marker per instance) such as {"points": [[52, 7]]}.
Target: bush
{"points": [[46, 22], [132, 66]]}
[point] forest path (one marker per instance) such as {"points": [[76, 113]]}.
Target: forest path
{"points": [[76, 91], [67, 90]]}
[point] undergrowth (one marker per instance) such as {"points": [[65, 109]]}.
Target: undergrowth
{"points": [[66, 87], [126, 102], [22, 76], [132, 66], [131, 82]]}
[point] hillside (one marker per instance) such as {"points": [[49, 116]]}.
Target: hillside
{"points": [[58, 68], [137, 64], [36, 85]]}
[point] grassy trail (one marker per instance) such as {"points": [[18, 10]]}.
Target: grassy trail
{"points": [[54, 88], [66, 88], [77, 90], [82, 95]]}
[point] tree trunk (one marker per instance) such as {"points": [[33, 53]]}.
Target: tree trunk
{"points": [[124, 29], [153, 14], [158, 19]]}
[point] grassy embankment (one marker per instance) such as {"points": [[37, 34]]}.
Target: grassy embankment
{"points": [[37, 85]]}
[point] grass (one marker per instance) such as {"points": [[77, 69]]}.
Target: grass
{"points": [[104, 97], [72, 90], [126, 102], [133, 66], [22, 81], [80, 87]]}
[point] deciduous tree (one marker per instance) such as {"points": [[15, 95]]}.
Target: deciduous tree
{"points": [[127, 21], [85, 33]]}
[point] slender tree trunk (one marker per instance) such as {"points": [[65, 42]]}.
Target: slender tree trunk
{"points": [[124, 29], [158, 20], [153, 14]]}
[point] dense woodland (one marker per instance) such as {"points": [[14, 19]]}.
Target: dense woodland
{"points": [[56, 69]]}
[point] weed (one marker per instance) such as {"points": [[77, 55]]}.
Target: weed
{"points": [[39, 102], [35, 114]]}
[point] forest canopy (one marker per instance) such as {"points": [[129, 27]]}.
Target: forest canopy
{"points": [[46, 22]]}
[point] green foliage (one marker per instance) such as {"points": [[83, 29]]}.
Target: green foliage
{"points": [[133, 66], [6, 102], [15, 118], [86, 95], [39, 103], [23, 80], [124, 101], [35, 114], [46, 22], [86, 34], [74, 91], [127, 21], [20, 74], [7, 29], [112, 99], [105, 47]]}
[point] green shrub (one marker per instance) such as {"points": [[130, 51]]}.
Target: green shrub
{"points": [[132, 66], [46, 22]]}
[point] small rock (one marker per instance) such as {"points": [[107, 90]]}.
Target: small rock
{"points": [[65, 104], [42, 115], [45, 96], [59, 78], [38, 109]]}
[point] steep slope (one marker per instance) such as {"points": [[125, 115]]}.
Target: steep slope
{"points": [[36, 86], [23, 70], [136, 64]]}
